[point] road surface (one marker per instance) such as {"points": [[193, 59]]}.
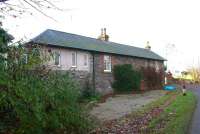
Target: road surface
{"points": [[195, 124]]}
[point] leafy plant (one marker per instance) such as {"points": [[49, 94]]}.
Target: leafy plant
{"points": [[126, 79], [88, 93], [152, 77]]}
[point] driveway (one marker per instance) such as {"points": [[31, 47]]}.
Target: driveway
{"points": [[195, 125], [121, 105]]}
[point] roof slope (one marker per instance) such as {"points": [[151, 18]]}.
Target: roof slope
{"points": [[62, 39]]}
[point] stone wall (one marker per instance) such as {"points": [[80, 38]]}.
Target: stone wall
{"points": [[84, 78], [104, 80]]}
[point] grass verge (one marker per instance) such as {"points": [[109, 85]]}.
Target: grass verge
{"points": [[176, 117], [154, 104]]}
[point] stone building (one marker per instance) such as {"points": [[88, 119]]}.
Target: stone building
{"points": [[90, 59]]}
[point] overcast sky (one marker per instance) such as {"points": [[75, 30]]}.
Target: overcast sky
{"points": [[132, 22]]}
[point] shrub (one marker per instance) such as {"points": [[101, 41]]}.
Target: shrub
{"points": [[45, 105], [88, 93], [153, 78], [34, 100], [126, 79]]}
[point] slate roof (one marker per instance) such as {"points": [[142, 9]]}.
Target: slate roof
{"points": [[68, 40]]}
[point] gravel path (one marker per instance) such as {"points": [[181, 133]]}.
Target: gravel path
{"points": [[121, 105]]}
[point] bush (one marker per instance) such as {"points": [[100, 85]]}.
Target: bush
{"points": [[88, 93], [126, 79], [34, 100], [44, 105], [153, 78]]}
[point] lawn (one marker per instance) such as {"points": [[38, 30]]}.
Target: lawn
{"points": [[176, 117]]}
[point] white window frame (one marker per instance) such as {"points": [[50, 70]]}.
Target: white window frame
{"points": [[5, 56], [59, 58], [74, 58], [107, 63], [85, 60], [157, 67], [25, 56]]}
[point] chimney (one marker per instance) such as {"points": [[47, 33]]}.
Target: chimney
{"points": [[102, 32], [103, 36], [148, 46]]}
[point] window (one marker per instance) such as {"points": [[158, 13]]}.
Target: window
{"points": [[25, 58], [85, 60], [157, 67], [57, 58], [107, 63], [36, 52], [74, 59]]}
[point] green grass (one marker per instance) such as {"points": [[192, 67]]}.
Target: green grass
{"points": [[155, 103], [176, 116]]}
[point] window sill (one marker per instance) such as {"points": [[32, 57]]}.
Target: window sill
{"points": [[57, 65], [107, 71]]}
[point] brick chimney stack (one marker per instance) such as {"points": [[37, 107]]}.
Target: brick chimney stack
{"points": [[103, 35]]}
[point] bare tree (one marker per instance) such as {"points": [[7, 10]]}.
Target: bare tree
{"points": [[8, 8], [195, 73]]}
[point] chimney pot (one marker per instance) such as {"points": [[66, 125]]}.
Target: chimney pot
{"points": [[101, 31], [104, 31], [103, 35]]}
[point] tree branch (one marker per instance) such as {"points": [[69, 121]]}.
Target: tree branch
{"points": [[38, 5], [38, 10]]}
